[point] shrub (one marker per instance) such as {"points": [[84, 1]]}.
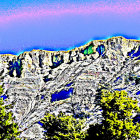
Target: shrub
{"points": [[8, 128]]}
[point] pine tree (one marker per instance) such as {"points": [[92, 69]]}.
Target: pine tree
{"points": [[63, 127], [117, 113], [8, 128]]}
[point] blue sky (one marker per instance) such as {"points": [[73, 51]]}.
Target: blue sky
{"points": [[62, 25]]}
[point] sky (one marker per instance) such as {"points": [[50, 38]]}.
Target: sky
{"points": [[64, 24]]}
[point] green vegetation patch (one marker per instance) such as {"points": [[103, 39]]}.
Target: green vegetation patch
{"points": [[118, 124], [8, 128], [63, 127], [88, 50]]}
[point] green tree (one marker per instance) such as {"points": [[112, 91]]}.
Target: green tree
{"points": [[117, 113], [8, 128], [63, 127]]}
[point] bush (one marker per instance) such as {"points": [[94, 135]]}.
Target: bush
{"points": [[117, 113], [8, 128], [63, 127]]}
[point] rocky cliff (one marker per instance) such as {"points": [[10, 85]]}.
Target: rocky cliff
{"points": [[40, 81]]}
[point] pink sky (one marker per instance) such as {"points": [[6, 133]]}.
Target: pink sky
{"points": [[102, 8]]}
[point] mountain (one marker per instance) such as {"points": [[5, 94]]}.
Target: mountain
{"points": [[68, 81]]}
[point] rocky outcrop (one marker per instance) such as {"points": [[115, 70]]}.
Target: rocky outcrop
{"points": [[32, 78]]}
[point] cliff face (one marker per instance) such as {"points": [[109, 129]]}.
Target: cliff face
{"points": [[35, 79]]}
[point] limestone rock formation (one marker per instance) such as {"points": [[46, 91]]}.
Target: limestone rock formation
{"points": [[40, 81]]}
